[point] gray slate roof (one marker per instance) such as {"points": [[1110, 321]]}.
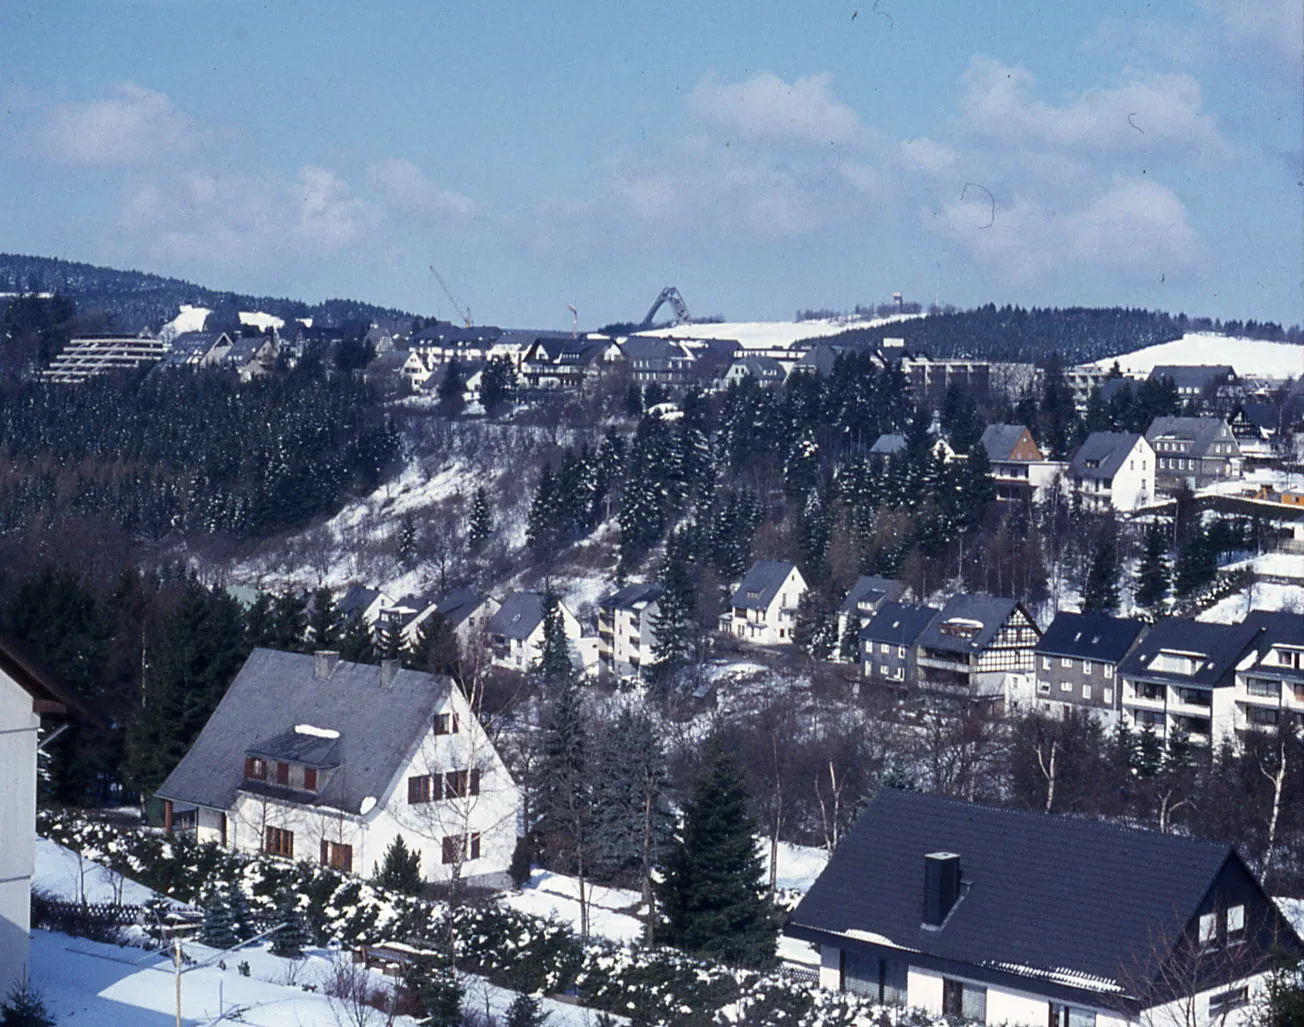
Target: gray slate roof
{"points": [[987, 613], [888, 444], [1043, 895], [871, 589], [898, 623], [519, 615], [1222, 645], [457, 606], [274, 692], [633, 597], [761, 584], [1193, 376], [1200, 431], [1086, 636], [355, 600], [1102, 454], [1000, 439]]}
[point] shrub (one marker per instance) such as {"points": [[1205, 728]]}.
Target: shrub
{"points": [[24, 1007]]}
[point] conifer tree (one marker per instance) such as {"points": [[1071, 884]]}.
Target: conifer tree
{"points": [[323, 620], [442, 995], [673, 629], [389, 639], [482, 525], [815, 631], [1149, 752], [452, 385], [714, 893], [1100, 593], [401, 871], [242, 915], [407, 542], [498, 384], [543, 522], [1153, 572], [1197, 564], [525, 1011], [356, 643], [554, 666], [435, 647], [849, 645], [218, 927], [24, 1007], [290, 940], [815, 533], [259, 628], [289, 619]]}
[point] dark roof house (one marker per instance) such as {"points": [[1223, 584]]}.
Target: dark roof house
{"points": [[898, 624], [1021, 914], [1085, 636], [761, 584]]}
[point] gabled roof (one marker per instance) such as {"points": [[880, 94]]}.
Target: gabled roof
{"points": [[761, 584], [1102, 455], [448, 334], [1199, 431], [654, 348], [898, 623], [1193, 376], [1046, 897], [871, 589], [49, 695], [457, 606], [1264, 416], [519, 615], [967, 623], [758, 367], [888, 444], [1219, 647], [275, 692], [633, 597], [356, 600], [1000, 439], [1086, 636], [819, 359]]}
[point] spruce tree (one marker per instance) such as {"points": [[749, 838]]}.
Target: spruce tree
{"points": [[218, 927], [554, 665], [525, 1011], [815, 630], [1197, 564], [407, 542], [482, 525], [242, 914], [435, 647], [401, 871], [441, 993], [389, 639], [672, 624], [356, 643], [1149, 752], [815, 533], [849, 650], [289, 620], [714, 892], [1100, 594], [290, 940], [1153, 572], [498, 384], [24, 1007], [543, 522], [323, 620]]}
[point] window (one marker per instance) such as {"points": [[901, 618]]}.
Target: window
{"points": [[424, 788], [1260, 687], [446, 723], [1107, 670], [255, 769], [337, 856], [460, 783], [1086, 668], [1071, 1016], [901, 652], [1065, 662], [962, 999], [278, 842], [1235, 925], [309, 779], [1108, 696], [1225, 1001], [461, 847], [282, 773], [1066, 686], [1045, 663], [1043, 688], [1208, 930], [884, 648], [1086, 692], [1262, 717]]}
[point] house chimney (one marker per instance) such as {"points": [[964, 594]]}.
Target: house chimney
{"points": [[941, 887], [388, 671], [323, 663]]}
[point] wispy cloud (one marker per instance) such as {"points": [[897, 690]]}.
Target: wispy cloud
{"points": [[131, 126], [766, 108], [410, 190]]}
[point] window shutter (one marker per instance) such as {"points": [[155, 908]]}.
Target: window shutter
{"points": [[414, 790], [456, 719], [475, 782], [282, 773], [325, 852], [310, 779], [475, 845], [251, 766]]}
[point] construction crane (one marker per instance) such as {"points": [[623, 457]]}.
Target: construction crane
{"points": [[575, 320], [463, 312], [668, 295]]}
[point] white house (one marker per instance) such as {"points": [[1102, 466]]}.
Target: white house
{"points": [[627, 629], [515, 631], [25, 694], [311, 758], [465, 610], [1113, 471], [764, 606], [1009, 917]]}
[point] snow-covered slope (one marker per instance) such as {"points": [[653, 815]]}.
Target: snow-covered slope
{"points": [[261, 321], [190, 319], [771, 334], [1247, 356]]}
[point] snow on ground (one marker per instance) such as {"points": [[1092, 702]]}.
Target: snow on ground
{"points": [[770, 334], [1262, 595], [612, 911], [62, 874], [261, 321], [1293, 910], [799, 865], [190, 319], [1247, 356]]}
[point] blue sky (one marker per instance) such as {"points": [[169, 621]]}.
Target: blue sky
{"points": [[761, 157]]}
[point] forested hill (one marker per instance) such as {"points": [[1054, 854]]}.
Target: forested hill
{"points": [[1077, 334], [134, 299]]}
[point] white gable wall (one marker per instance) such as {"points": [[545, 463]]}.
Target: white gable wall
{"points": [[18, 725], [492, 813], [1134, 483]]}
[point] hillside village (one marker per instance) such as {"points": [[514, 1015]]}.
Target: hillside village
{"points": [[401, 620]]}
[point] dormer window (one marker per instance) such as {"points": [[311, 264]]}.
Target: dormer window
{"points": [[255, 769], [960, 627]]}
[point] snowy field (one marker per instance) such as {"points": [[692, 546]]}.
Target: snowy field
{"points": [[1248, 356], [771, 334], [1262, 595], [63, 874]]}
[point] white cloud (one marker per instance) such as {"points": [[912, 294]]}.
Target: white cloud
{"points": [[1132, 230], [131, 126], [329, 216], [1273, 25], [406, 187], [1156, 113], [927, 155], [766, 108]]}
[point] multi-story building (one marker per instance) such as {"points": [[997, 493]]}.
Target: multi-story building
{"points": [[627, 629], [1171, 679], [1113, 471], [1077, 662], [864, 599], [764, 607], [967, 650], [1020, 470], [515, 631], [1196, 450], [1267, 692], [889, 654]]}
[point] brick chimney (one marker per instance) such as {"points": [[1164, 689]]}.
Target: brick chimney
{"points": [[388, 671], [941, 887]]}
